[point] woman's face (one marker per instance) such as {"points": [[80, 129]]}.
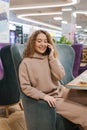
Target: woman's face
{"points": [[41, 43]]}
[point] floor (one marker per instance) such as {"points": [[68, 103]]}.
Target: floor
{"points": [[15, 121]]}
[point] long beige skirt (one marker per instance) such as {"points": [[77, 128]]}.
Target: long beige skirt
{"points": [[73, 106]]}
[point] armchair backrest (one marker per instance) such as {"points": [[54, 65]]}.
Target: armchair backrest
{"points": [[38, 108], [66, 56], [17, 51], [34, 109], [9, 92]]}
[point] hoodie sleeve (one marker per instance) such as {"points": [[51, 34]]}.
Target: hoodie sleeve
{"points": [[57, 69], [26, 85]]}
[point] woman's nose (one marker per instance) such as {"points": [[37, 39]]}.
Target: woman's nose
{"points": [[44, 44]]}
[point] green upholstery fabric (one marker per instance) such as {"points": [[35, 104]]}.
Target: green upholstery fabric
{"points": [[9, 92], [66, 56], [38, 114]]}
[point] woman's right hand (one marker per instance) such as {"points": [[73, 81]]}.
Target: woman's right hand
{"points": [[50, 100]]}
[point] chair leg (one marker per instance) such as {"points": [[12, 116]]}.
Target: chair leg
{"points": [[7, 111], [21, 106]]}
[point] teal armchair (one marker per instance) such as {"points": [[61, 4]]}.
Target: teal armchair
{"points": [[38, 114], [9, 87], [66, 56]]}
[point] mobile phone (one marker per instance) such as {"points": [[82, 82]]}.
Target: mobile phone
{"points": [[47, 52]]}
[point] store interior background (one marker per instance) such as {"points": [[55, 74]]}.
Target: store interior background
{"points": [[19, 18], [58, 17], [27, 16]]}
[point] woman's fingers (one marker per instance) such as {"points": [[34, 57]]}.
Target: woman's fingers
{"points": [[51, 100]]}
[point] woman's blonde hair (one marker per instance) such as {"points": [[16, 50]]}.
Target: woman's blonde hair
{"points": [[30, 46]]}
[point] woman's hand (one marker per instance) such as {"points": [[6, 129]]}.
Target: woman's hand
{"points": [[50, 100]]}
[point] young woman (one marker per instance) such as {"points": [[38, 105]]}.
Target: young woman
{"points": [[40, 72]]}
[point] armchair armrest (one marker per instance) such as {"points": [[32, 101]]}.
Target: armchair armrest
{"points": [[38, 114]]}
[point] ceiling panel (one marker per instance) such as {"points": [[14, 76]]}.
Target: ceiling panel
{"points": [[80, 20], [34, 2]]}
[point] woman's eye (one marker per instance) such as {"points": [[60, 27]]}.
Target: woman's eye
{"points": [[39, 41]]}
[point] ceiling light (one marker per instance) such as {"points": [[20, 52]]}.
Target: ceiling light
{"points": [[79, 12], [19, 24], [64, 22], [39, 14], [41, 23], [78, 27], [67, 9], [72, 2], [57, 18], [45, 6]]}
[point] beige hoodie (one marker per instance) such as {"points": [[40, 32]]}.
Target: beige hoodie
{"points": [[39, 76]]}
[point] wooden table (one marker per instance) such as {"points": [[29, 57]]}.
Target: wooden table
{"points": [[77, 84]]}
